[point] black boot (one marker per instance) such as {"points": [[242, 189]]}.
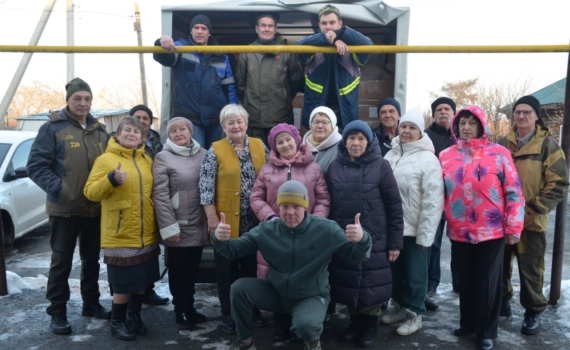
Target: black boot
{"points": [[369, 331], [94, 309], [194, 316], [505, 308], [134, 320], [182, 322], [59, 324], [353, 329], [119, 327]]}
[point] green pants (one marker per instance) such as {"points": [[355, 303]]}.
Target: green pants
{"points": [[410, 276], [308, 314], [530, 259]]}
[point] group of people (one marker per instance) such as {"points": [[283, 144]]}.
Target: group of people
{"points": [[344, 214]]}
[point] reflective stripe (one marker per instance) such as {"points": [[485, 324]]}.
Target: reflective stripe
{"points": [[313, 86], [190, 57], [347, 89], [229, 80], [219, 65], [355, 58]]}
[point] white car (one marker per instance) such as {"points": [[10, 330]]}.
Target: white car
{"points": [[22, 202]]}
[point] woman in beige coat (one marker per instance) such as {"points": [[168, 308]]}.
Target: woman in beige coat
{"points": [[181, 219]]}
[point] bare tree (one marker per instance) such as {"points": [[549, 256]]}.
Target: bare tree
{"points": [[36, 97], [126, 95], [463, 92], [495, 99]]}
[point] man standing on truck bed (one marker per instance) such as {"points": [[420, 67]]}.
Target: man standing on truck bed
{"points": [[205, 83], [332, 79], [267, 83]]}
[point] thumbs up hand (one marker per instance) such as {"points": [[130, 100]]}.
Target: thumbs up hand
{"points": [[120, 175], [354, 232], [223, 230]]}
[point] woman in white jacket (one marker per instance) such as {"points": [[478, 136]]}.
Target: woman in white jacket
{"points": [[420, 181]]}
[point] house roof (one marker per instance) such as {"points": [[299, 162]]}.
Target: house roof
{"points": [[97, 113], [551, 94]]}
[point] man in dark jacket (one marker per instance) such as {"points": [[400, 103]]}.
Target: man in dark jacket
{"points": [[267, 83], [60, 161], [389, 114], [442, 111], [205, 83], [332, 79], [297, 248], [150, 138]]}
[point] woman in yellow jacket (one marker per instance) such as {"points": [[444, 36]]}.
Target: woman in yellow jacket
{"points": [[121, 179]]}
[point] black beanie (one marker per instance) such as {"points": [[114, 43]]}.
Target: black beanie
{"points": [[201, 19], [141, 108], [531, 101], [442, 100], [390, 101], [75, 85]]}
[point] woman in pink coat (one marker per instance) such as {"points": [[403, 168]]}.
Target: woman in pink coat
{"points": [[484, 208], [288, 160]]}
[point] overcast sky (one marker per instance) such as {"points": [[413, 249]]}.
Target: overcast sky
{"points": [[433, 22]]}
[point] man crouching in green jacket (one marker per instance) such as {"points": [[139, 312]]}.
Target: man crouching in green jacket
{"points": [[297, 248]]}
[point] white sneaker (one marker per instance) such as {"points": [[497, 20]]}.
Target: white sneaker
{"points": [[412, 325], [394, 315]]}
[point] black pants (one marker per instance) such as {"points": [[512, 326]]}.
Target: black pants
{"points": [[65, 232], [228, 271], [183, 264], [481, 269]]}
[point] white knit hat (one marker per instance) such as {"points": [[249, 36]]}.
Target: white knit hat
{"points": [[414, 116], [325, 110]]}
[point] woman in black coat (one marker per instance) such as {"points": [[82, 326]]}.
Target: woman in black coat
{"points": [[361, 181]]}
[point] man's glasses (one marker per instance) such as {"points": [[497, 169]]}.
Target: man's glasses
{"points": [[525, 113]]}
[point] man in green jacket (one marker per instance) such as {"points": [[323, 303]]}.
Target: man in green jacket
{"points": [[267, 83], [297, 248], [543, 174], [60, 161]]}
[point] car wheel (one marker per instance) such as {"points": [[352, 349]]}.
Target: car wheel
{"points": [[7, 230]]}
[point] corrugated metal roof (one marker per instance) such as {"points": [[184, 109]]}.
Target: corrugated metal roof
{"points": [[97, 113], [553, 93]]}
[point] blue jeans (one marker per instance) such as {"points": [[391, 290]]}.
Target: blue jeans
{"points": [[206, 135]]}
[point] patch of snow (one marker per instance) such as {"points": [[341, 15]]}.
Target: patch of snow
{"points": [[563, 305], [96, 323], [81, 337], [172, 342], [16, 283], [223, 345]]}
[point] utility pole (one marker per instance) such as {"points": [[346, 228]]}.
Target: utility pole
{"points": [[17, 79], [137, 25], [70, 40]]}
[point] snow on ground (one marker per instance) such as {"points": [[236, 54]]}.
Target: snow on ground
{"points": [[563, 306], [16, 283], [207, 306]]}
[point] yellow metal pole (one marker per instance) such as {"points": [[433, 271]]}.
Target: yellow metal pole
{"points": [[288, 48]]}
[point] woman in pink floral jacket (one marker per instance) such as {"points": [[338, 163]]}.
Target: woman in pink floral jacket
{"points": [[484, 207]]}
